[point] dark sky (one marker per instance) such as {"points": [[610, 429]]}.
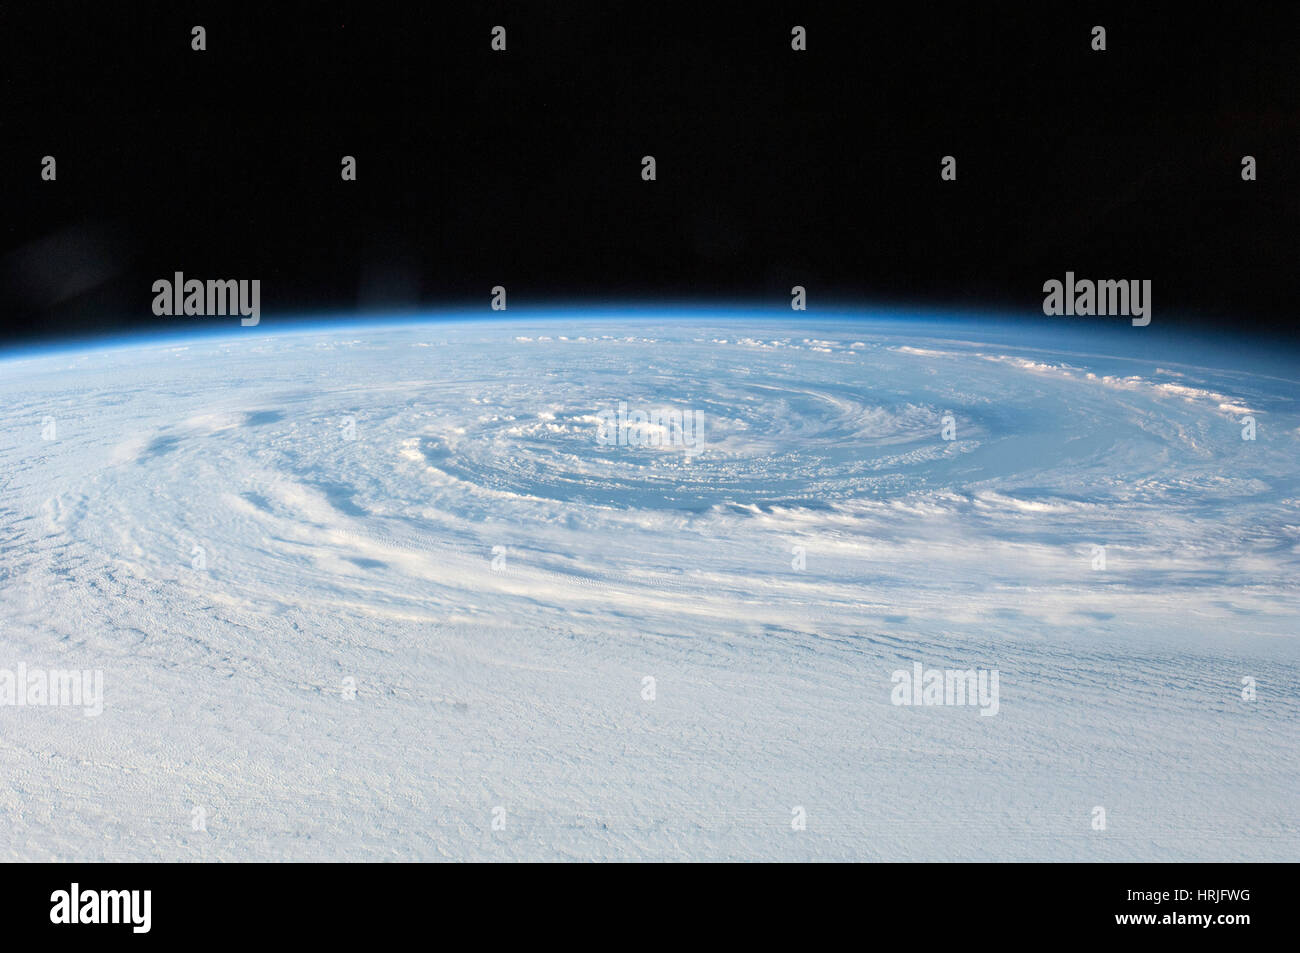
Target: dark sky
{"points": [[522, 168]]}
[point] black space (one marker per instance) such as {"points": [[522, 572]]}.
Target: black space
{"points": [[522, 168]]}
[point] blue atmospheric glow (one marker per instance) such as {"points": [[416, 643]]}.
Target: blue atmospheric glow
{"points": [[1112, 337]]}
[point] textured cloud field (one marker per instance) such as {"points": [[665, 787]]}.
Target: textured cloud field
{"points": [[238, 531]]}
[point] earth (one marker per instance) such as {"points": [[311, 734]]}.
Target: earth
{"points": [[404, 592]]}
